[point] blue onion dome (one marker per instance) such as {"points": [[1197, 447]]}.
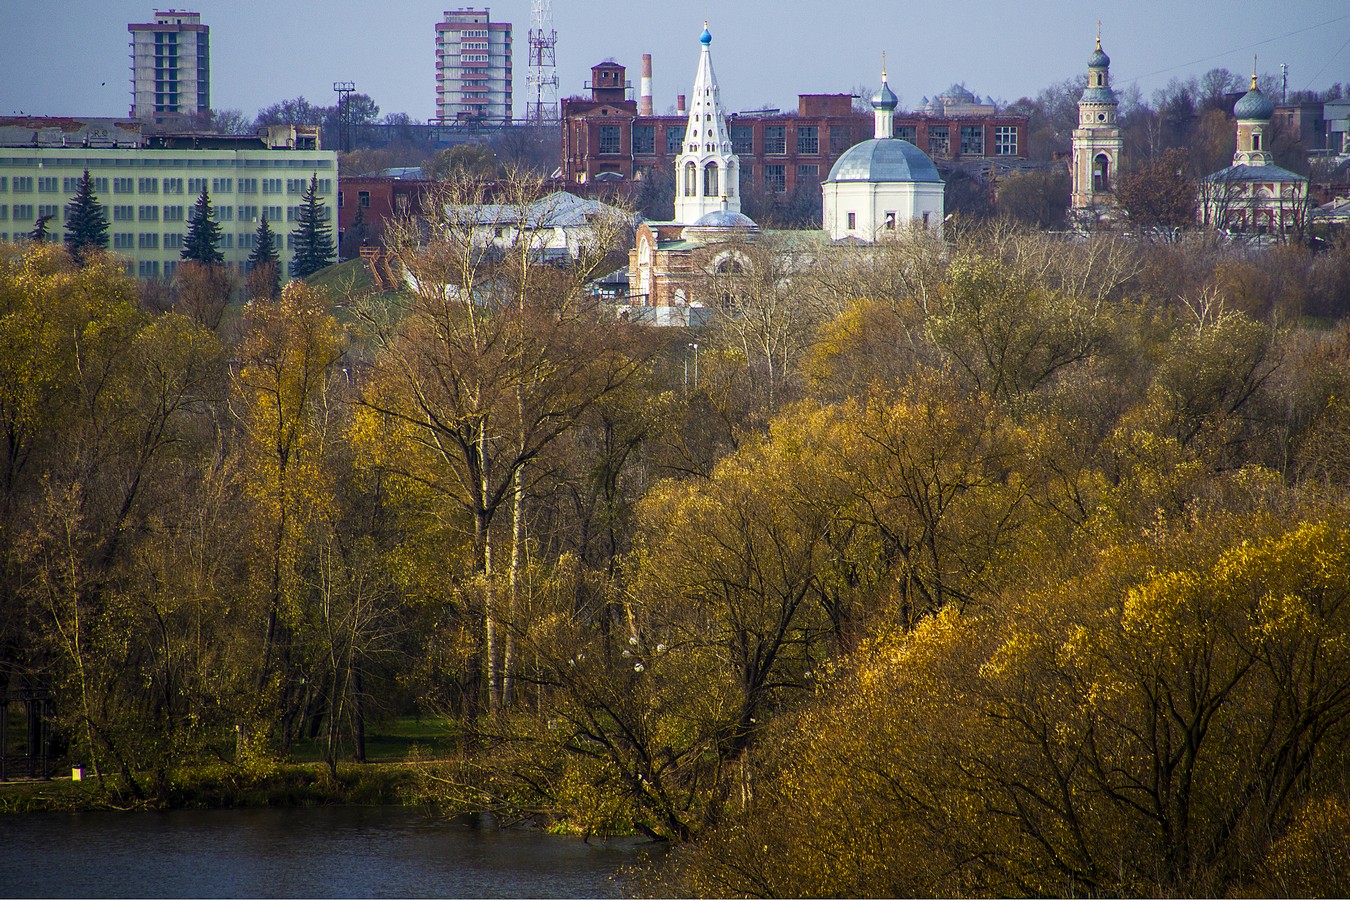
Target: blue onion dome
{"points": [[885, 98], [1099, 59], [1254, 104], [706, 37]]}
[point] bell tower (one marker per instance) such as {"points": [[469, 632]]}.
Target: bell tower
{"points": [[1097, 145], [707, 173]]}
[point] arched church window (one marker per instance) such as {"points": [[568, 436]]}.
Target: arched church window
{"points": [[690, 179], [711, 188], [732, 179], [1101, 173], [730, 266]]}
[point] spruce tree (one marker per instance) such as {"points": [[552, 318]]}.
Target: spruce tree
{"points": [[203, 236], [313, 238], [39, 232], [88, 223], [265, 255]]}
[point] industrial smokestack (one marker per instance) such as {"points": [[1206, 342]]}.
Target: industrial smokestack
{"points": [[645, 89], [679, 104]]}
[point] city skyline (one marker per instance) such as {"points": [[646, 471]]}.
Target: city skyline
{"points": [[389, 52]]}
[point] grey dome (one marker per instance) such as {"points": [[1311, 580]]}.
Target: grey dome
{"points": [[959, 92], [1098, 95], [1099, 59], [882, 160], [1254, 105], [722, 218]]}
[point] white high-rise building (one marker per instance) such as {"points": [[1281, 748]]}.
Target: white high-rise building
{"points": [[170, 66], [473, 68]]}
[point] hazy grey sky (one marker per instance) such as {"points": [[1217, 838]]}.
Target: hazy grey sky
{"points": [[70, 57]]}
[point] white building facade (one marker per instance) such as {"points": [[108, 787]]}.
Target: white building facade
{"points": [[883, 185], [707, 172], [170, 66], [473, 68], [148, 195]]}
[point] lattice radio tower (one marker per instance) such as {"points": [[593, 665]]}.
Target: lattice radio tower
{"points": [[542, 105]]}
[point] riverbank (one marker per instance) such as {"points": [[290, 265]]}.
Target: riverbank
{"points": [[219, 786]]}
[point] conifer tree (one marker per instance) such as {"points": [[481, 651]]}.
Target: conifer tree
{"points": [[203, 235], [264, 258], [39, 232], [88, 223], [313, 238]]}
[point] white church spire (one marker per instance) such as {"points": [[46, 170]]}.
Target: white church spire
{"points": [[707, 173]]}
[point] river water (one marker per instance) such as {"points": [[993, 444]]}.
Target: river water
{"points": [[318, 852]]}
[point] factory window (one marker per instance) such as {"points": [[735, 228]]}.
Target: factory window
{"points": [[173, 242], [611, 141], [23, 212], [939, 144], [808, 175], [295, 185], [972, 140], [124, 213], [4, 213], [222, 185], [50, 210], [1005, 140], [775, 179], [271, 185], [4, 183], [674, 138], [123, 240], [23, 184], [644, 139], [907, 132], [48, 185], [363, 199], [197, 185], [841, 138], [148, 241], [173, 185], [173, 214], [248, 185], [775, 139], [70, 185], [148, 214], [743, 139], [247, 213], [147, 185], [148, 268], [808, 139]]}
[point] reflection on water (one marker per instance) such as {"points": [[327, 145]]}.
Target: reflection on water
{"points": [[320, 852]]}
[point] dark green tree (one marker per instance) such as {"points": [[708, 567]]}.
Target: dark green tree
{"points": [[313, 237], [88, 223], [203, 237], [264, 264], [39, 232]]}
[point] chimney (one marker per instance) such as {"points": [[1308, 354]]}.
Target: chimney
{"points": [[679, 105], [645, 90]]}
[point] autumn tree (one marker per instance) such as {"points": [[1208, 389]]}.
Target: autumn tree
{"points": [[1160, 193]]}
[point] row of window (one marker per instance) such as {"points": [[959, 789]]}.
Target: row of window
{"points": [[972, 141], [30, 212], [52, 184]]}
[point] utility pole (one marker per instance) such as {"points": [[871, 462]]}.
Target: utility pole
{"points": [[1284, 82], [344, 90]]}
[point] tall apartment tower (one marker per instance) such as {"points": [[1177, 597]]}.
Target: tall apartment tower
{"points": [[170, 66], [473, 68]]}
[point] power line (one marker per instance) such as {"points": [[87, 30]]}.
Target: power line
{"points": [[1278, 37]]}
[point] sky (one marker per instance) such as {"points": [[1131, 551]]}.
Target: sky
{"points": [[70, 57]]}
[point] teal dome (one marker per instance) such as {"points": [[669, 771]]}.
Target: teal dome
{"points": [[885, 98], [706, 37], [1254, 105], [884, 160], [1099, 59]]}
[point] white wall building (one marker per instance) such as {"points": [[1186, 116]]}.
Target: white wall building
{"points": [[170, 66], [473, 68], [882, 185], [148, 192]]}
